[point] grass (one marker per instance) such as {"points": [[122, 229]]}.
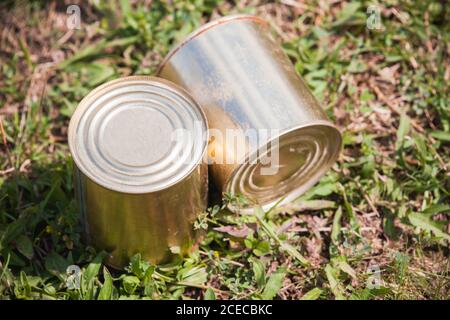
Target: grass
{"points": [[375, 227]]}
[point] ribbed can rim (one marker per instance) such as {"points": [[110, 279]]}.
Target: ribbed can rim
{"points": [[130, 152], [296, 187]]}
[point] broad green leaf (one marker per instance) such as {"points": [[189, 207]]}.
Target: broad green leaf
{"points": [[314, 205], [13, 230], [209, 294], [259, 272], [88, 286], [333, 280], [25, 246], [294, 253], [262, 248], [441, 135], [95, 49], [349, 210], [323, 190], [107, 288], [92, 270], [402, 130], [274, 284], [336, 229], [55, 263], [193, 275], [98, 73], [437, 208], [347, 12], [319, 32], [130, 283], [25, 284], [313, 294], [424, 222], [142, 269], [341, 263]]}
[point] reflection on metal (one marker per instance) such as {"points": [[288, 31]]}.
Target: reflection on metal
{"points": [[138, 187], [239, 74]]}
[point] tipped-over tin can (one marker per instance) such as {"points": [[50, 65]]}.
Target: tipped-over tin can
{"points": [[269, 138], [138, 145]]}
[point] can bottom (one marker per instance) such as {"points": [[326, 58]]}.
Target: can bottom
{"points": [[286, 167]]}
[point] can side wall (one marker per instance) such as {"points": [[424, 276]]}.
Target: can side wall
{"points": [[242, 78], [239, 67], [125, 224]]}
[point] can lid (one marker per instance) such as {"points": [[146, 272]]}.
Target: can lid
{"points": [[138, 134], [304, 154]]}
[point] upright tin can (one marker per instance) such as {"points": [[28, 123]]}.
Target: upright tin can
{"points": [[138, 145], [244, 81]]}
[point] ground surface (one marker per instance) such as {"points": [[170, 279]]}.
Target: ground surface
{"points": [[375, 227]]}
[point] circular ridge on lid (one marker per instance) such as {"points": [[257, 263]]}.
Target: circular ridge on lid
{"points": [[137, 134], [306, 152]]}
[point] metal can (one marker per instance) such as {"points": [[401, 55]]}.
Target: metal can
{"points": [[244, 81], [138, 145]]}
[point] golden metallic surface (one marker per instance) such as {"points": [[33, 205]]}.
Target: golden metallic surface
{"points": [[239, 74], [135, 195], [152, 224]]}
